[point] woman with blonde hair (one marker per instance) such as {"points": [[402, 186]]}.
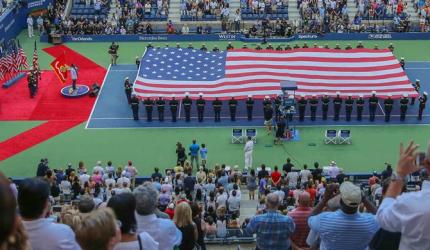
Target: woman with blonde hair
{"points": [[99, 231], [71, 217], [184, 222]]}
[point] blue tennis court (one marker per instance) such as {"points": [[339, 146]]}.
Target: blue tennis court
{"points": [[111, 109]]}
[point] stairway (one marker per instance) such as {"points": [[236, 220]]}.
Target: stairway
{"points": [[234, 5], [411, 11], [293, 12], [352, 9], [112, 9], [175, 11]]}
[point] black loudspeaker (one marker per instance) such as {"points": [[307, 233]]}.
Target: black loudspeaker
{"points": [[95, 89]]}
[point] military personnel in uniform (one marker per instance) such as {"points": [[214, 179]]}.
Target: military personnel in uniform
{"points": [[200, 107], [337, 104], [422, 100], [258, 47], [403, 106], [402, 62], [244, 46], [229, 46], [249, 107], [232, 104], [305, 46], [137, 62], [135, 107], [337, 46], [128, 89], [217, 104], [160, 108], [288, 47], [391, 47], [349, 105], [360, 107], [348, 47], [325, 103], [315, 46], [376, 47], [190, 46], [203, 48], [178, 46], [278, 102], [302, 107], [149, 46], [296, 46], [32, 85], [187, 102], [388, 107], [270, 47], [360, 45], [149, 106], [267, 101], [314, 105], [279, 48], [173, 108], [215, 49], [417, 87], [326, 46], [373, 103], [113, 51]]}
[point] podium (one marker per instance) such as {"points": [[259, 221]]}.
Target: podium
{"points": [[57, 39]]}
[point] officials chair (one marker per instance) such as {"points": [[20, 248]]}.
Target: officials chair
{"points": [[344, 136], [251, 132], [237, 135], [330, 136]]}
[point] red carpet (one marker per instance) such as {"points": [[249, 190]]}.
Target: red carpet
{"points": [[62, 113]]}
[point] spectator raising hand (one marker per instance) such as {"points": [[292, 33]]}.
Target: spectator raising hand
{"points": [[407, 164]]}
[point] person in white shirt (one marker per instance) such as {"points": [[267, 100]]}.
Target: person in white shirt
{"points": [[305, 174], [185, 30], [234, 203], [30, 26], [110, 181], [98, 167], [292, 178], [280, 193], [407, 213], [124, 206], [221, 199], [84, 178], [132, 173], [123, 179], [249, 147], [34, 207], [163, 231]]}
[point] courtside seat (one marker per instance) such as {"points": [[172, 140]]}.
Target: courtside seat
{"points": [[344, 136], [237, 135], [330, 136]]}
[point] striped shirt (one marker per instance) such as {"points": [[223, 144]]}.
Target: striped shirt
{"points": [[300, 217], [344, 231], [273, 230]]}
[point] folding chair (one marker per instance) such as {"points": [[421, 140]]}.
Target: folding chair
{"points": [[330, 136], [251, 132], [344, 136], [237, 135]]}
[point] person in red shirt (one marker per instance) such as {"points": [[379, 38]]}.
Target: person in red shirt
{"points": [[372, 180], [170, 210], [300, 217], [276, 177], [312, 192]]}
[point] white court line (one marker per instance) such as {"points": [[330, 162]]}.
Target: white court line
{"points": [[417, 68], [383, 112], [100, 92], [125, 70]]}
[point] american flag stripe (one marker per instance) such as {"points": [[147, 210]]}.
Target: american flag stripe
{"points": [[259, 73]]}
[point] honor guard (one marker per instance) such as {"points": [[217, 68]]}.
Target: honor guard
{"points": [[149, 106], [128, 89], [349, 104], [373, 103], [417, 87], [203, 48], [422, 100], [388, 107], [305, 46], [391, 47], [187, 102], [266, 101], [270, 47], [173, 108], [403, 106], [244, 46], [325, 103], [402, 62], [149, 46], [296, 46], [376, 47], [215, 49], [32, 85], [314, 105], [135, 107], [337, 46], [229, 46], [278, 102], [279, 48], [360, 45], [302, 107], [258, 47], [315, 46], [137, 62], [348, 47], [326, 46], [217, 104], [190, 46], [200, 107], [232, 104], [337, 104], [160, 108], [288, 47], [249, 107], [360, 107], [178, 46]]}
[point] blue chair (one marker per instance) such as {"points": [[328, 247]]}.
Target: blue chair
{"points": [[330, 136], [237, 135], [251, 132]]}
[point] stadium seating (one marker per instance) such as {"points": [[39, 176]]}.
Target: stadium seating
{"points": [[80, 9]]}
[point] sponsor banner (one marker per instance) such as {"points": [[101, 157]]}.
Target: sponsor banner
{"points": [[12, 21], [37, 4], [146, 38]]}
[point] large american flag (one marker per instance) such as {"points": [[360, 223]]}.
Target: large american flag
{"points": [[243, 72]]}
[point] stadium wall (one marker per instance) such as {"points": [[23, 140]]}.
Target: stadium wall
{"points": [[237, 37]]}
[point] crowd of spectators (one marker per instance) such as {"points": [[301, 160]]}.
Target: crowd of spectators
{"points": [[422, 7], [206, 10], [300, 208]]}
